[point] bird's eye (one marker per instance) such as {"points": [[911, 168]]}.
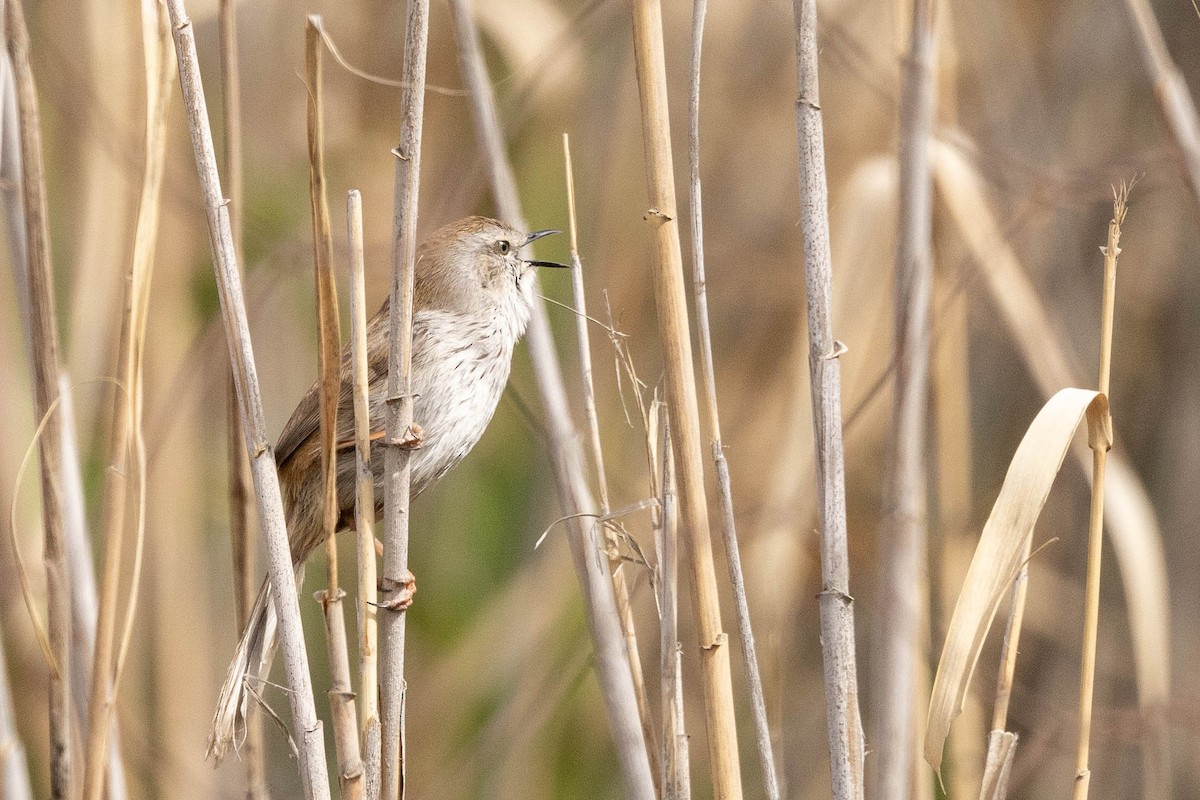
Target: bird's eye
{"points": [[504, 247]]}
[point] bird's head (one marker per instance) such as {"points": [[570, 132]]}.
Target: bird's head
{"points": [[474, 266]]}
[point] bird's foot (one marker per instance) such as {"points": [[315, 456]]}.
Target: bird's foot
{"points": [[397, 594], [413, 438]]}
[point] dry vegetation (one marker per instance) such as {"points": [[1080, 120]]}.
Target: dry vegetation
{"points": [[1038, 111]]}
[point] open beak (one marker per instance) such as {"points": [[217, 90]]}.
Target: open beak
{"points": [[533, 237]]}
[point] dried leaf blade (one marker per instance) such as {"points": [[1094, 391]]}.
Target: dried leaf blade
{"points": [[1001, 550]]}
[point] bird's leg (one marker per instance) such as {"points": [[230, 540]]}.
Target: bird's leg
{"points": [[398, 593]]}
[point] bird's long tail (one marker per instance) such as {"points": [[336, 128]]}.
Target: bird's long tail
{"points": [[247, 673]]}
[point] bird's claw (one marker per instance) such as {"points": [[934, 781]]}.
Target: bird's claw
{"points": [[398, 594]]}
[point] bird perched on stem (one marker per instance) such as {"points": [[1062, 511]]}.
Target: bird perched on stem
{"points": [[471, 304]]}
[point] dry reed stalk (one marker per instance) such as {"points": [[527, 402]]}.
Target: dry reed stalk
{"points": [[128, 444], [341, 695], [837, 606], [612, 664], [681, 399], [364, 505], [14, 771], [77, 540], [159, 71], [44, 357], [396, 467], [733, 557], [351, 773], [1174, 97], [676, 769], [308, 727], [1100, 442], [1132, 526], [620, 586], [241, 499], [14, 768], [903, 570]]}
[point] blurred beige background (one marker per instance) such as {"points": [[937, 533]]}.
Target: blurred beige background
{"points": [[1051, 103]]}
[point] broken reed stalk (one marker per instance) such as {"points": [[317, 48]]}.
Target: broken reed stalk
{"points": [[1002, 749], [681, 398], [307, 727], [128, 452], [676, 769], [903, 569], [1100, 441], [758, 706], [397, 471], [241, 500], [837, 606], [1002, 744], [43, 351], [612, 665], [620, 586], [341, 695], [1174, 97], [364, 505]]}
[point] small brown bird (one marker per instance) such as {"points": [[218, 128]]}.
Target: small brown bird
{"points": [[471, 303]]}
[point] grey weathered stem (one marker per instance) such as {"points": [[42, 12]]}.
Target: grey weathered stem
{"points": [[314, 778], [837, 606], [341, 696], [733, 557], [676, 770], [620, 587], [396, 468], [14, 771], [43, 351], [612, 665], [675, 338], [241, 499], [1173, 95], [364, 505], [904, 549]]}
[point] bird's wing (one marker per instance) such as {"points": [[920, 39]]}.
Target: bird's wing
{"points": [[302, 424], [305, 419]]}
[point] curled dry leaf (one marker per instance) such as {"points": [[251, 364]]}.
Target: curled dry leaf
{"points": [[1001, 550]]}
